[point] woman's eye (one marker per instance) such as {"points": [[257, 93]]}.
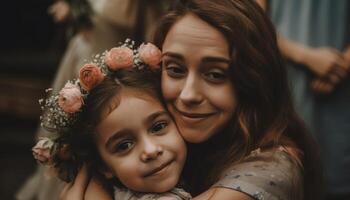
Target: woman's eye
{"points": [[216, 77], [124, 146], [174, 70], [158, 127]]}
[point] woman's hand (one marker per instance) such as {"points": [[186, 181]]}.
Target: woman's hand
{"points": [[76, 190], [95, 191], [84, 187]]}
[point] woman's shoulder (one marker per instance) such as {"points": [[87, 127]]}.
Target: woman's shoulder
{"points": [[271, 174]]}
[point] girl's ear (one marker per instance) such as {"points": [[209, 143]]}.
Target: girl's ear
{"points": [[106, 172]]}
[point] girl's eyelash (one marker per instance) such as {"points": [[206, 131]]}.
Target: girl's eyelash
{"points": [[158, 126], [124, 146]]}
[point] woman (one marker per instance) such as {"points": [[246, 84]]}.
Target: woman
{"points": [[224, 83]]}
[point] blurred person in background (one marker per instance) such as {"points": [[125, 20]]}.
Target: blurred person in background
{"points": [[314, 36], [94, 26]]}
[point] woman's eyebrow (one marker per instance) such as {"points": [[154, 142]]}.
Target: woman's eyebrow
{"points": [[215, 59], [173, 55]]}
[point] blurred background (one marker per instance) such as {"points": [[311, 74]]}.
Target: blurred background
{"points": [[43, 43], [31, 45]]}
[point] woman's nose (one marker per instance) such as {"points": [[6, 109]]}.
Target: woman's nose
{"points": [[191, 92], [151, 150]]}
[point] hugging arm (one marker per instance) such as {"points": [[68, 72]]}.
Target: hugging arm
{"points": [[222, 194], [84, 188]]}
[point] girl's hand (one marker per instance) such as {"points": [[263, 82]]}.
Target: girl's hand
{"points": [[76, 190]]}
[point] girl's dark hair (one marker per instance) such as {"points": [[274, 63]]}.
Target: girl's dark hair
{"points": [[265, 116], [101, 101]]}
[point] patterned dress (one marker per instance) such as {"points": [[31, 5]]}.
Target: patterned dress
{"points": [[269, 175]]}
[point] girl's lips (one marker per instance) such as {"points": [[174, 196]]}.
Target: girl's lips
{"points": [[158, 170]]}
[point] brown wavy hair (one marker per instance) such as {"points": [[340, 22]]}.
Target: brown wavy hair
{"points": [[265, 117]]}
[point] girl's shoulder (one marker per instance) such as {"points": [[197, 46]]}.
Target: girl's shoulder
{"points": [[271, 174], [174, 194]]}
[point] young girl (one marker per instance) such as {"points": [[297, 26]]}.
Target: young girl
{"points": [[117, 124]]}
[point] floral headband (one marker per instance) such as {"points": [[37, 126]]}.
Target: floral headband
{"points": [[61, 111]]}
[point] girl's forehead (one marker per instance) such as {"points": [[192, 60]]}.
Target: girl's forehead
{"points": [[123, 95], [133, 113]]}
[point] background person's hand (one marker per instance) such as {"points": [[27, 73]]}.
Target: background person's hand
{"points": [[321, 86], [60, 11], [325, 61], [347, 56], [339, 72]]}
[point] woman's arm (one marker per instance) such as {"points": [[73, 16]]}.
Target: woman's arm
{"points": [[222, 194], [84, 188]]}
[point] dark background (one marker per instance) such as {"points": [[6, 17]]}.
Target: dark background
{"points": [[31, 45]]}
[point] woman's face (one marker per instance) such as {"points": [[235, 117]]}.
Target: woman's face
{"points": [[196, 84], [140, 144]]}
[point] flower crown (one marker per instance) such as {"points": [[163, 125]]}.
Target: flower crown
{"points": [[61, 111]]}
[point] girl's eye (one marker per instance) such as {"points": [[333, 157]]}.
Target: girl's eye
{"points": [[158, 127], [174, 70], [215, 77], [124, 146]]}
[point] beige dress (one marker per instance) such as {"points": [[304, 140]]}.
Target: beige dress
{"points": [[113, 21], [270, 175], [174, 194]]}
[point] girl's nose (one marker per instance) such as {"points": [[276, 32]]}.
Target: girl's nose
{"points": [[151, 150]]}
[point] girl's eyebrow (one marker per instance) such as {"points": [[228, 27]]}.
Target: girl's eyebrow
{"points": [[116, 136], [154, 116]]}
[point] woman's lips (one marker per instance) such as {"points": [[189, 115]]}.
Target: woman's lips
{"points": [[192, 118], [158, 170]]}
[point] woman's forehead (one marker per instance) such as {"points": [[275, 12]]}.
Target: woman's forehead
{"points": [[190, 33]]}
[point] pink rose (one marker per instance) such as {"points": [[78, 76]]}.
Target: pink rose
{"points": [[119, 57], [150, 55], [70, 99], [42, 151], [90, 76]]}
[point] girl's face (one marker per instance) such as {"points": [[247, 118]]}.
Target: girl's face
{"points": [[195, 78], [140, 144]]}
